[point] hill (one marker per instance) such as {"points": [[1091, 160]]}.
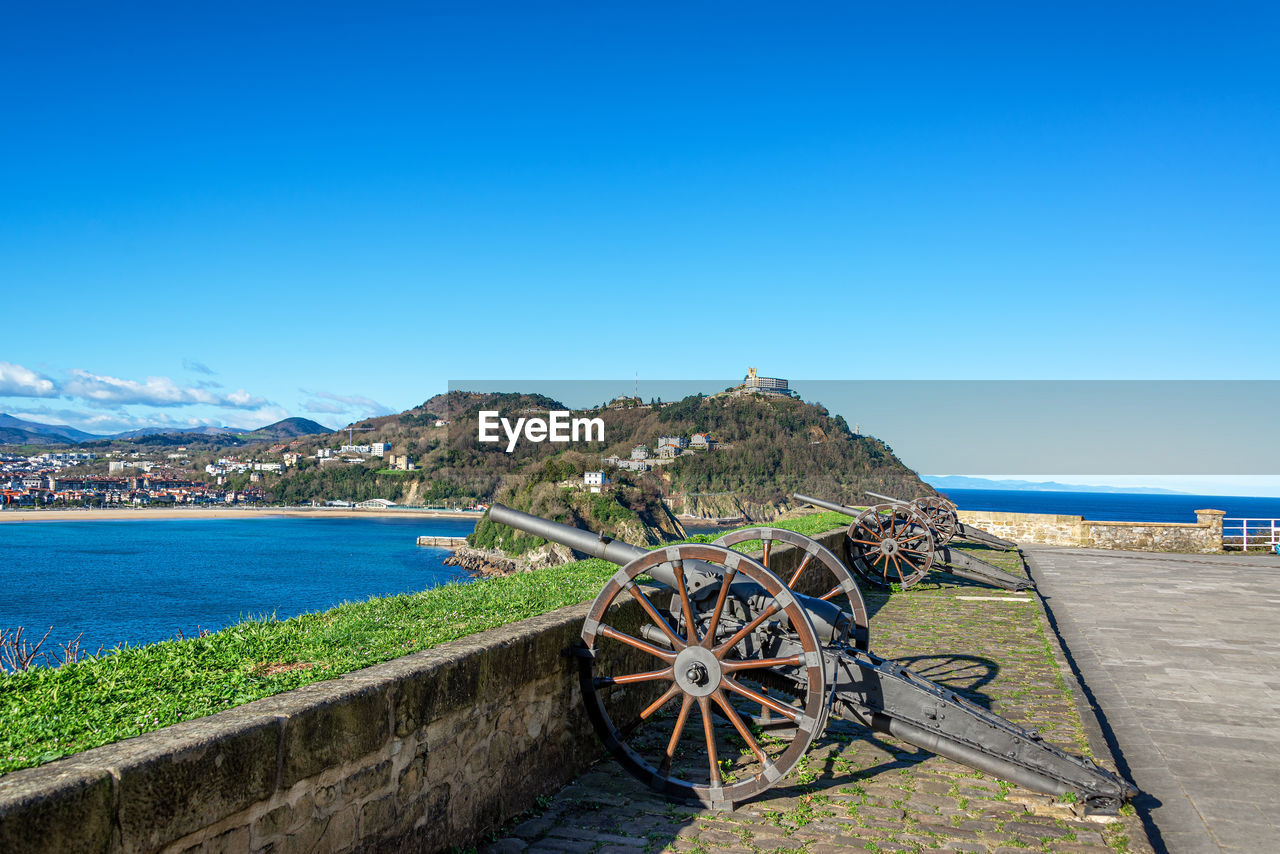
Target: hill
{"points": [[768, 447], [16, 431], [19, 431], [289, 428], [630, 509]]}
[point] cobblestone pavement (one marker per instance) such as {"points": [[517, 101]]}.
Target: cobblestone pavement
{"points": [[1181, 653], [860, 791]]}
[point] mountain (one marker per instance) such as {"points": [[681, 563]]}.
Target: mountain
{"points": [[289, 428], [768, 448], [962, 482], [142, 432], [16, 431], [19, 431]]}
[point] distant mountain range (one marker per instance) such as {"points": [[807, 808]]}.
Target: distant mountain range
{"points": [[961, 482], [18, 431]]}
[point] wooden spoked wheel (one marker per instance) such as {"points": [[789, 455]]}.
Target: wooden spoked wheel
{"points": [[710, 664], [890, 544], [816, 558], [940, 515]]}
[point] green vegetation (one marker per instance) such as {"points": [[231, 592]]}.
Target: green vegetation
{"points": [[769, 447], [48, 713], [630, 508]]}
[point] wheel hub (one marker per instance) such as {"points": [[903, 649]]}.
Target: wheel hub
{"points": [[697, 671]]}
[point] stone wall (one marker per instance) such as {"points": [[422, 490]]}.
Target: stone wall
{"points": [[1202, 536], [423, 753], [418, 754]]}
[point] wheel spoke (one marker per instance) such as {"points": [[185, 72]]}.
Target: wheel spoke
{"points": [[795, 576], [767, 546], [648, 676], [657, 618], [660, 702], [757, 663], [872, 543], [709, 731], [897, 565], [760, 698], [826, 597], [725, 581], [736, 720], [747, 629], [675, 735], [690, 630], [623, 637]]}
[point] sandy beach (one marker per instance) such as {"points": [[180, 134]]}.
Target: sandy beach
{"points": [[151, 514]]}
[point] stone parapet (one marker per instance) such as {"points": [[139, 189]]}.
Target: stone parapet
{"points": [[1203, 536], [421, 753]]}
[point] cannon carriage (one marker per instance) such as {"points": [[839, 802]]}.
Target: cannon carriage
{"points": [[708, 676], [944, 520], [897, 543]]}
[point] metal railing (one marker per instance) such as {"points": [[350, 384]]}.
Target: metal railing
{"points": [[1245, 534]]}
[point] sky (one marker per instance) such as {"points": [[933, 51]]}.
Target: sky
{"points": [[238, 212]]}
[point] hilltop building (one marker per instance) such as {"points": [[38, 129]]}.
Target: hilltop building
{"points": [[753, 383]]}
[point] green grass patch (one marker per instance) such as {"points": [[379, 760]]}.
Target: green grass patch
{"points": [[808, 525], [48, 713]]}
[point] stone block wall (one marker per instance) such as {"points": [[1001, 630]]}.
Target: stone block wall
{"points": [[418, 754], [1202, 536]]}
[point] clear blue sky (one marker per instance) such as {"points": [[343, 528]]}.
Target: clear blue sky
{"points": [[255, 210]]}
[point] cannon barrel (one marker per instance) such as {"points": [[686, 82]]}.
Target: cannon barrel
{"points": [[861, 686], [596, 545], [828, 505], [828, 619]]}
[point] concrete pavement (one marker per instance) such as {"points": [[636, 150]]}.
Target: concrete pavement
{"points": [[1181, 655]]}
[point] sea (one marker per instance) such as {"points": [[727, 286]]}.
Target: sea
{"points": [[1114, 506], [133, 582], [139, 581]]}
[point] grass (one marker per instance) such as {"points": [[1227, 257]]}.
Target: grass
{"points": [[48, 713]]}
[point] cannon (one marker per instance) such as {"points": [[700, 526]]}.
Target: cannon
{"points": [[703, 626], [945, 522], [894, 543]]}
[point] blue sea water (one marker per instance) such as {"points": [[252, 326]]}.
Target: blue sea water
{"points": [[135, 582], [1114, 507]]}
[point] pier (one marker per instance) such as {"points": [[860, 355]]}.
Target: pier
{"points": [[442, 542]]}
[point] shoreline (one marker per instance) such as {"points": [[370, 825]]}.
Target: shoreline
{"points": [[140, 514]]}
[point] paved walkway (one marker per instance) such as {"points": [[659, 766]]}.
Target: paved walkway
{"points": [[857, 791], [1182, 655]]}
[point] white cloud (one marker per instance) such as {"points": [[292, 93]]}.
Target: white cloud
{"points": [[324, 406], [354, 405], [260, 417], [17, 381], [196, 367], [120, 420], [153, 391]]}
